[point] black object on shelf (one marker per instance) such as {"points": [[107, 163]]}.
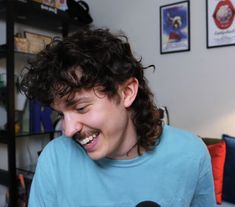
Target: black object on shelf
{"points": [[3, 95], [42, 16], [4, 178], [79, 11], [3, 137], [3, 51]]}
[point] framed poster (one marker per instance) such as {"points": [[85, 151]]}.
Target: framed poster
{"points": [[220, 23], [175, 27]]}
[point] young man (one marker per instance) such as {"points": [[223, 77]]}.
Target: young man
{"points": [[115, 150]]}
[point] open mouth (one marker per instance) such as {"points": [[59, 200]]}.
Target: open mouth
{"points": [[88, 140]]}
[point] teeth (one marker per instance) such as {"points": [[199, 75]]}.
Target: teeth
{"points": [[84, 141], [87, 139]]}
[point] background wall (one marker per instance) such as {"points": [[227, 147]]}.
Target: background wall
{"points": [[196, 86]]}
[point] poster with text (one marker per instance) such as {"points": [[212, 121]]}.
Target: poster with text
{"points": [[174, 27], [220, 23]]}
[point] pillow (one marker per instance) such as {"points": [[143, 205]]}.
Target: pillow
{"points": [[218, 152], [229, 169]]}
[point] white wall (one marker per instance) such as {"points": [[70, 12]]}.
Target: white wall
{"points": [[196, 86]]}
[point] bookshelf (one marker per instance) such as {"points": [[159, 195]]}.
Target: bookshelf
{"points": [[45, 18]]}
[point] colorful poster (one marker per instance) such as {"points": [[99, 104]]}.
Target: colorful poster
{"points": [[174, 27], [220, 23]]}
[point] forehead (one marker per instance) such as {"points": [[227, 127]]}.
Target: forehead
{"points": [[83, 96]]}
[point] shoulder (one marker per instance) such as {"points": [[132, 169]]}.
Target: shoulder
{"points": [[185, 149], [183, 142], [181, 137], [61, 148], [60, 144]]}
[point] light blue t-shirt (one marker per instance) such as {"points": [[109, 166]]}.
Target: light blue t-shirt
{"points": [[177, 173]]}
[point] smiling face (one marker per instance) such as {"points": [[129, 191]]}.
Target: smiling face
{"points": [[101, 125]]}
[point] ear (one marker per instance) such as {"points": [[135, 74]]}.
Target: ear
{"points": [[129, 90]]}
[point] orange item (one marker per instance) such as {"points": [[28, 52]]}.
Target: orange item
{"points": [[218, 153]]}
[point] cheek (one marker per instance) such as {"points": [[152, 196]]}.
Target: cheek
{"points": [[97, 117], [108, 119], [100, 120], [94, 120]]}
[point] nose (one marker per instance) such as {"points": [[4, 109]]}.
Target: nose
{"points": [[71, 124]]}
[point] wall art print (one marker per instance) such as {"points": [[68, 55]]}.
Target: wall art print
{"points": [[220, 23], [174, 27]]}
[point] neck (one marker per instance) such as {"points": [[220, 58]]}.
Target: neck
{"points": [[128, 148], [130, 154]]}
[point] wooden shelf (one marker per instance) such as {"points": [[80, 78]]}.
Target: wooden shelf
{"points": [[3, 51], [3, 134], [28, 134], [30, 169]]}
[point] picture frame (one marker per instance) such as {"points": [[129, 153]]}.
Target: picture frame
{"points": [[175, 27], [220, 27], [37, 42]]}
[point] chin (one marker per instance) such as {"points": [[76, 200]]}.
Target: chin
{"points": [[96, 156]]}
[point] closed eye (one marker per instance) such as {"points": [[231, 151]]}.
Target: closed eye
{"points": [[83, 109]]}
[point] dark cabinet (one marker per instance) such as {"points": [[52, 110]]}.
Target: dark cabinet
{"points": [[35, 15]]}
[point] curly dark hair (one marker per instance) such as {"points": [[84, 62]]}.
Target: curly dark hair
{"points": [[102, 59]]}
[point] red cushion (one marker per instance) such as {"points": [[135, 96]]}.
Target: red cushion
{"points": [[218, 153]]}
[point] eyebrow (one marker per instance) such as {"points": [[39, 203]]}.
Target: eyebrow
{"points": [[74, 101]]}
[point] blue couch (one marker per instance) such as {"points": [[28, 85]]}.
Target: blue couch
{"points": [[226, 204]]}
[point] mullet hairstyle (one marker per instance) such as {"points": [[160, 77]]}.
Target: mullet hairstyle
{"points": [[87, 59]]}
